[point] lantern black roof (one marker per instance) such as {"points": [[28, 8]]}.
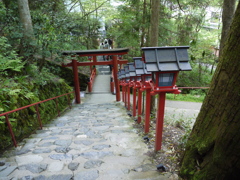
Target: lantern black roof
{"points": [[121, 73], [127, 75], [173, 58], [132, 71], [140, 66]]}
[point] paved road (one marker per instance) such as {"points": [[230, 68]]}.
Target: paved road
{"points": [[180, 111]]}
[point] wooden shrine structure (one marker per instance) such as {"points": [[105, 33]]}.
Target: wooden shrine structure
{"points": [[115, 61]]}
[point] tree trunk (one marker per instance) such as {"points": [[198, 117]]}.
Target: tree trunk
{"points": [[227, 16], [154, 23], [25, 18], [143, 28], [27, 48], [154, 35], [212, 150]]}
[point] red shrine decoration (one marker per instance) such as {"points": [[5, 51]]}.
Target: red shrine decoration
{"points": [[93, 54], [164, 63]]}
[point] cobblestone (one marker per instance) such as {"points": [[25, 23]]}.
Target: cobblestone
{"points": [[93, 140]]}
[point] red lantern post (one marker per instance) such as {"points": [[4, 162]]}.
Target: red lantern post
{"points": [[164, 63]]}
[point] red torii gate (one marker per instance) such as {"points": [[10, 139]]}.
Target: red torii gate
{"points": [[94, 53]]}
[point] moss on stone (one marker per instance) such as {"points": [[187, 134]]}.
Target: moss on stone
{"points": [[24, 122]]}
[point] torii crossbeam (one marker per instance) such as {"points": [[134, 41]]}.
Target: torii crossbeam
{"points": [[94, 53]]}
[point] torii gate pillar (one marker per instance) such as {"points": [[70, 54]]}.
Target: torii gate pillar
{"points": [[76, 82], [94, 53]]}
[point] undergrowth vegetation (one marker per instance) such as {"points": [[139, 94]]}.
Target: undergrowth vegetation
{"points": [[22, 84], [192, 96]]}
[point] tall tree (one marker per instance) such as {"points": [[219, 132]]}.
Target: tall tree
{"points": [[27, 29], [154, 29], [143, 25], [154, 23], [212, 150], [25, 18], [227, 16]]}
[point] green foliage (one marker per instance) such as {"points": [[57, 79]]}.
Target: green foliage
{"points": [[23, 83], [200, 76], [25, 121], [127, 27], [9, 26], [40, 77], [194, 96], [203, 61], [180, 24], [9, 58], [55, 28]]}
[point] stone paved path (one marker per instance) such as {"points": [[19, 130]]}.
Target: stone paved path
{"points": [[92, 141]]}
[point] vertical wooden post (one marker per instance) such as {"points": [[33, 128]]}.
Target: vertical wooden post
{"points": [[139, 106], [69, 101], [147, 111], [94, 59], [76, 82], [115, 70], [159, 123], [89, 86], [134, 102], [128, 97], [123, 93], [90, 59], [56, 101], [38, 116], [10, 130], [112, 86]]}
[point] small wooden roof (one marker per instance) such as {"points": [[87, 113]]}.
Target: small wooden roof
{"points": [[172, 58]]}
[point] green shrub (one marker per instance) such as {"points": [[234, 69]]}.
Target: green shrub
{"points": [[9, 58], [24, 122], [186, 97], [198, 77]]}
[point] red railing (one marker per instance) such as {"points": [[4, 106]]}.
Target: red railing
{"points": [[37, 110], [112, 83], [91, 80]]}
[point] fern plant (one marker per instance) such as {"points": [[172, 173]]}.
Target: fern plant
{"points": [[9, 58]]}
